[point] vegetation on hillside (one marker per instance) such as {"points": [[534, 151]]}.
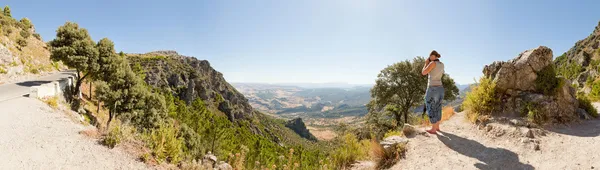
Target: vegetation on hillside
{"points": [[177, 132], [28, 51]]}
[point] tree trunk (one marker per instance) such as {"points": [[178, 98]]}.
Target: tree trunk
{"points": [[398, 119], [405, 117], [110, 117], [98, 107], [90, 90]]}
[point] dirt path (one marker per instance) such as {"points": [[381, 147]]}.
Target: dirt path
{"points": [[34, 136], [462, 146]]}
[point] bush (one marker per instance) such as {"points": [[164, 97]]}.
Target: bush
{"points": [[25, 34], [25, 24], [384, 159], [114, 136], [595, 92], [586, 104], [546, 81], [569, 70], [164, 144], [37, 36], [22, 42], [3, 70], [535, 114], [349, 151], [481, 100]]}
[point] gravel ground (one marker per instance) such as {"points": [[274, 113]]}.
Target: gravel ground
{"points": [[35, 136]]}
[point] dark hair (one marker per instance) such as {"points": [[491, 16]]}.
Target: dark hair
{"points": [[435, 53]]}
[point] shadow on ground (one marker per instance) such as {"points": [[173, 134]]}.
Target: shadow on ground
{"points": [[588, 128], [32, 83], [492, 158]]}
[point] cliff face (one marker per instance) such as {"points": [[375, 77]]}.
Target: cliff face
{"points": [[190, 79]]}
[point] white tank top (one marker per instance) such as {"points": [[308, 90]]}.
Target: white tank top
{"points": [[435, 75]]}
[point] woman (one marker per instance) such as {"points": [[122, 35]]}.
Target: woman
{"points": [[435, 90]]}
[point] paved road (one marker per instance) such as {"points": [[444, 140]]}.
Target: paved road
{"points": [[35, 136], [15, 90]]}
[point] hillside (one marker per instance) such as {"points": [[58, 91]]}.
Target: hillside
{"points": [[23, 53], [188, 79], [580, 64]]}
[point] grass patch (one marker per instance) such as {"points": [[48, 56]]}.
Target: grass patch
{"points": [[350, 150], [481, 100], [386, 158], [51, 101]]}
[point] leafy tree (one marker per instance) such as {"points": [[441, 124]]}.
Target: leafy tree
{"points": [[401, 87], [75, 48], [6, 11]]}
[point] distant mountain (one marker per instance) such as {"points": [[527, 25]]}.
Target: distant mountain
{"points": [[322, 102]]}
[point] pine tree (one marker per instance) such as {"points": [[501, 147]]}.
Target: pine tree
{"points": [[6, 11], [75, 48]]}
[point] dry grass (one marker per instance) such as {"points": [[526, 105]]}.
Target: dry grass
{"points": [[447, 113], [386, 158], [51, 101], [92, 133]]}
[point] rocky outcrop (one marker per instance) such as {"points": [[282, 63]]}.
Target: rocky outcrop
{"points": [[190, 79], [516, 86], [298, 126]]}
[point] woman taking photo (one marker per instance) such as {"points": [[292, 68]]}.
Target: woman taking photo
{"points": [[435, 90]]}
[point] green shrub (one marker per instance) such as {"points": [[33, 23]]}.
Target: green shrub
{"points": [[546, 81], [37, 36], [25, 24], [165, 145], [481, 100], [7, 31], [570, 70], [22, 42], [535, 114], [594, 94], [114, 136], [3, 71], [586, 104], [25, 34], [350, 151]]}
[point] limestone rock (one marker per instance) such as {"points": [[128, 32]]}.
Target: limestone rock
{"points": [[515, 82], [224, 166], [522, 68], [409, 130], [392, 141], [209, 160], [191, 79], [583, 114]]}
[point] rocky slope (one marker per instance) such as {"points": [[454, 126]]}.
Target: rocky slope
{"points": [[190, 79], [581, 62], [23, 53], [529, 82]]}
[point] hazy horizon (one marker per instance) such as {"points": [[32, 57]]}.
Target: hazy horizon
{"points": [[323, 41]]}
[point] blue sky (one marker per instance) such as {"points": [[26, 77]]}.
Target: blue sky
{"points": [[318, 41]]}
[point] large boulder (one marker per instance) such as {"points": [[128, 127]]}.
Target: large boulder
{"points": [[516, 84], [520, 72]]}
